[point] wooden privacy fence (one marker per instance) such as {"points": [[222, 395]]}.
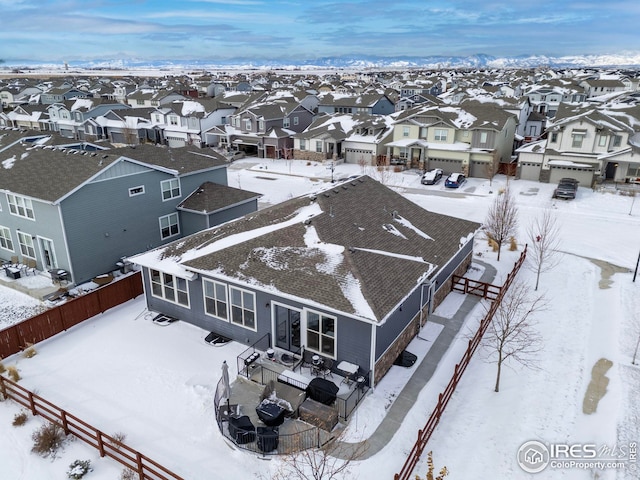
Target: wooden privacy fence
{"points": [[62, 317], [424, 434], [107, 445], [475, 287]]}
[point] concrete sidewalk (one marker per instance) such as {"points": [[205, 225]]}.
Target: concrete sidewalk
{"points": [[423, 373]]}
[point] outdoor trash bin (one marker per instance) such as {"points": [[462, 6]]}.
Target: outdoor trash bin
{"points": [[242, 430], [267, 438]]}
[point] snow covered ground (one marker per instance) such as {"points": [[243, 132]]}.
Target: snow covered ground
{"points": [[122, 373]]}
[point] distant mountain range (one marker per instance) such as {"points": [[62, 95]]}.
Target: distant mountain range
{"points": [[618, 60]]}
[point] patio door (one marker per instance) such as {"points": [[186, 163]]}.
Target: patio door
{"points": [[48, 254], [287, 326]]}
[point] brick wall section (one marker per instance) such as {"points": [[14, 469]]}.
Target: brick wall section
{"points": [[386, 360], [309, 155]]}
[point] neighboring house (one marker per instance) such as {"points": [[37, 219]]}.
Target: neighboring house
{"points": [[151, 98], [129, 126], [185, 122], [350, 273], [474, 138], [12, 95], [368, 104], [29, 117], [365, 143], [264, 128], [62, 94], [68, 118], [586, 143], [82, 211], [323, 139], [598, 87], [546, 99]]}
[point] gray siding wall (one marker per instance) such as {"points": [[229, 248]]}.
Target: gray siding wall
{"points": [[353, 337], [389, 331], [192, 222], [46, 224], [103, 223], [448, 269]]}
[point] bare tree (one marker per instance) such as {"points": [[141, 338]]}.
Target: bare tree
{"points": [[333, 460], [502, 219], [491, 167], [512, 335], [544, 239]]}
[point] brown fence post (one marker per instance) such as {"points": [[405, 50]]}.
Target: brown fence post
{"points": [[32, 404], [65, 422], [100, 442], [140, 466], [3, 388]]}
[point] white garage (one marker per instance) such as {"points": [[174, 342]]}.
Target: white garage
{"points": [[530, 171]]}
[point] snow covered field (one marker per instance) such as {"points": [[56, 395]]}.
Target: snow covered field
{"points": [[122, 373]]}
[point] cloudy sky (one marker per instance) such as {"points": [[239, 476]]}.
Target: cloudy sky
{"points": [[210, 30]]}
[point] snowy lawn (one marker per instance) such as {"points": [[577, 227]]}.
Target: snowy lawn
{"points": [[122, 373]]}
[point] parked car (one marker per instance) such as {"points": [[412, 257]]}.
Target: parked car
{"points": [[455, 180], [432, 176], [567, 188]]}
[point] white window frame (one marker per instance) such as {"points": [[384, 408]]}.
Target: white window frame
{"points": [[169, 287], [135, 191], [286, 122], [176, 224], [406, 131], [576, 140], [616, 141], [483, 137], [318, 146], [322, 336], [171, 190], [602, 141], [303, 144], [221, 312], [241, 309], [247, 124], [6, 242], [260, 125], [296, 120], [20, 206], [27, 247], [440, 134]]}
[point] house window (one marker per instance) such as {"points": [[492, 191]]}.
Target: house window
{"points": [[321, 333], [577, 140], [243, 306], [20, 206], [26, 245], [247, 124], [158, 119], [318, 146], [303, 144], [285, 122], [139, 190], [483, 138], [405, 131], [5, 239], [173, 120], [554, 137], [440, 135], [261, 125], [169, 287], [169, 226], [296, 120], [423, 132], [215, 299], [140, 102], [170, 189], [617, 140]]}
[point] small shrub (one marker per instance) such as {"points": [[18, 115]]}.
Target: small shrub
{"points": [[29, 352], [48, 440], [494, 245], [501, 191], [79, 469], [513, 245], [397, 169], [13, 373], [128, 474], [19, 419], [118, 439]]}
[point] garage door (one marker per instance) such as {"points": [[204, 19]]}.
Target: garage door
{"points": [[352, 155], [583, 175], [530, 171], [448, 166], [479, 169]]}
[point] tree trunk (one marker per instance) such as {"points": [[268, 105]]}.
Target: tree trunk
{"points": [[499, 248], [497, 389]]}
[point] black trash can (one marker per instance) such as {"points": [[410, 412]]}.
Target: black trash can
{"points": [[267, 438]]}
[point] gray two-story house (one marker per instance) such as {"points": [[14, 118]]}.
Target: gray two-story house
{"points": [[349, 273], [82, 211]]}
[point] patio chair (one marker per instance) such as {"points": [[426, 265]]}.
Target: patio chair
{"points": [[327, 366], [15, 261], [307, 360], [30, 267]]}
